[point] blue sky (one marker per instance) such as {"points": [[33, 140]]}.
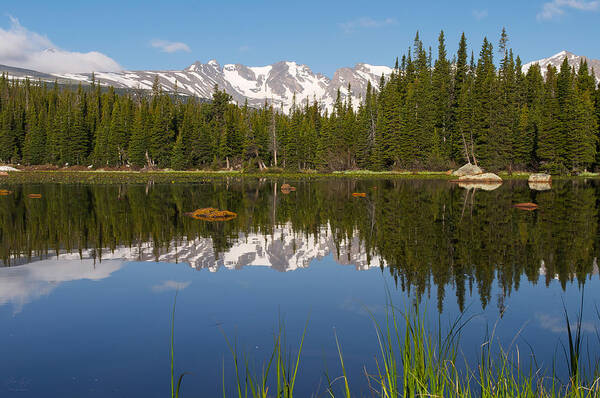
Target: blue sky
{"points": [[325, 35]]}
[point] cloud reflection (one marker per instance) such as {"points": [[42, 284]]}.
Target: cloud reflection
{"points": [[23, 284], [169, 286]]}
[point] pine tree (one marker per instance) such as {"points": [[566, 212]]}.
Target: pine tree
{"points": [[35, 139], [179, 158], [485, 105], [442, 97], [78, 135], [550, 140], [524, 138], [460, 76], [138, 142], [8, 142]]}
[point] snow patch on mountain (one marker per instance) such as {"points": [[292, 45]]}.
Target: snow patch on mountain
{"points": [[574, 61]]}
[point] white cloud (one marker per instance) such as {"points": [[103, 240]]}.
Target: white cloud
{"points": [[170, 46], [245, 49], [480, 14], [23, 48], [557, 8], [170, 285], [366, 22]]}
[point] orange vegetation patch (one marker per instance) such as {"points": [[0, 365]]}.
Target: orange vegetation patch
{"points": [[359, 195], [4, 192], [526, 206], [34, 196], [3, 173], [212, 214], [287, 188]]}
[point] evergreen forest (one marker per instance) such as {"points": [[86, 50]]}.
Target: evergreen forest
{"points": [[433, 112]]}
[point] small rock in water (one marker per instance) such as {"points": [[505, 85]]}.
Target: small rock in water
{"points": [[287, 188], [526, 206]]}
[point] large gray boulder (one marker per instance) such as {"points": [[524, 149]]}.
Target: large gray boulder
{"points": [[540, 177], [467, 170], [485, 178]]}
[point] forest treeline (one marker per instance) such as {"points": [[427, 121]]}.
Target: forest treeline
{"points": [[430, 113]]}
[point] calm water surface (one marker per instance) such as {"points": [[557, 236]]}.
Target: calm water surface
{"points": [[89, 274]]}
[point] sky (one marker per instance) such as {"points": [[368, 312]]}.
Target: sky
{"points": [[325, 35]]}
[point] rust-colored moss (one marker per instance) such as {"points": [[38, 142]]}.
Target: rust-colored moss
{"points": [[287, 188], [212, 214], [526, 206]]}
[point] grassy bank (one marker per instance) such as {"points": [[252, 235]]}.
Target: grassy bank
{"points": [[132, 177], [118, 177], [415, 361]]}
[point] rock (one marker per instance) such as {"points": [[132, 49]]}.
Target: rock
{"points": [[287, 188], [484, 186], [8, 168], [540, 177], [3, 173], [468, 170], [485, 178], [526, 206], [540, 186]]}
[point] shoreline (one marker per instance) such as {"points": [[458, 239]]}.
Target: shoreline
{"points": [[170, 176]]}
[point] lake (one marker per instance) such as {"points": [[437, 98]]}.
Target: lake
{"points": [[89, 275]]}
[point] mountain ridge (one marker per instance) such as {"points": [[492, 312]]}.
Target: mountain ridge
{"points": [[279, 84], [275, 83]]}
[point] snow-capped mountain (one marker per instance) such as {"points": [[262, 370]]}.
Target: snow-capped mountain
{"points": [[557, 60], [276, 83]]}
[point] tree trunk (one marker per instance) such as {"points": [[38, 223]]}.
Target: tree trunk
{"points": [[466, 148]]}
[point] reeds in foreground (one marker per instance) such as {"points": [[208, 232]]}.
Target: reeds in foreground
{"points": [[415, 362], [282, 361]]}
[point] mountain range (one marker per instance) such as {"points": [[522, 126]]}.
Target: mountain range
{"points": [[279, 84]]}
